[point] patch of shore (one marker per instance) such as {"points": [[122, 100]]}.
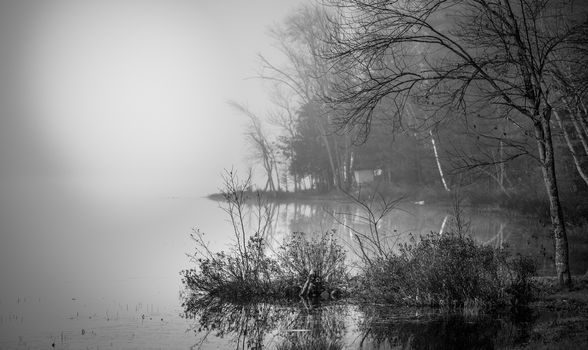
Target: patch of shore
{"points": [[562, 315], [289, 196]]}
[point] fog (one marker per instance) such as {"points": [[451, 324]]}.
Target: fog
{"points": [[128, 95], [106, 107]]}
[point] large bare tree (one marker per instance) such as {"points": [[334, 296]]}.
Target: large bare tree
{"points": [[454, 55]]}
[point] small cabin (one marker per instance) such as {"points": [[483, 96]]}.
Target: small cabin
{"points": [[364, 176]]}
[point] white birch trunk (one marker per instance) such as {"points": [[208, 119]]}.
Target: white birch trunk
{"points": [[438, 162]]}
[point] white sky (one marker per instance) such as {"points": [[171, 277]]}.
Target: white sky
{"points": [[115, 94]]}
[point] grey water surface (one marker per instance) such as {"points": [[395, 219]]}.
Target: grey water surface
{"points": [[104, 274]]}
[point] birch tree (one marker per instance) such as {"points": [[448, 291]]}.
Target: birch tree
{"points": [[568, 71]]}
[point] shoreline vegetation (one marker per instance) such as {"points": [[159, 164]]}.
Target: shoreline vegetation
{"points": [[553, 319], [575, 207], [317, 267], [450, 272]]}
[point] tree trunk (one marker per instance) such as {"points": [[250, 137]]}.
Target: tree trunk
{"points": [[278, 181], [502, 166], [438, 161], [581, 132], [269, 173], [347, 180], [325, 139], [571, 148], [545, 144]]}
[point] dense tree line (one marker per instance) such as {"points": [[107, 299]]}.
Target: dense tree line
{"points": [[438, 93]]}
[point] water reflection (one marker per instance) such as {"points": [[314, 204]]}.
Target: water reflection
{"points": [[519, 234], [338, 326], [265, 325], [305, 325], [247, 325], [422, 329]]}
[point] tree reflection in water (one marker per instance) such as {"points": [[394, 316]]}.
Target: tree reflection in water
{"points": [[268, 325], [423, 329], [308, 325]]}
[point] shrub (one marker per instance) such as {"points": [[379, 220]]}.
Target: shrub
{"points": [[448, 270], [223, 275], [246, 271], [314, 265], [302, 266]]}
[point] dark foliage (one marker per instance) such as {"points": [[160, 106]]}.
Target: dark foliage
{"points": [[448, 271]]}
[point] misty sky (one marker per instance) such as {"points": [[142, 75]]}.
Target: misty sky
{"points": [[116, 95]]}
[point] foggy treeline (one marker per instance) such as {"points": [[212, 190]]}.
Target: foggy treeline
{"points": [[431, 93], [422, 138]]}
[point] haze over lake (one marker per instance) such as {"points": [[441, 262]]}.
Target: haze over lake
{"points": [[110, 266], [119, 117], [108, 109]]}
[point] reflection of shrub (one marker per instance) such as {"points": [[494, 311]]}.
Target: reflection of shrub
{"points": [[247, 323], [311, 344], [260, 325], [436, 330], [448, 270]]}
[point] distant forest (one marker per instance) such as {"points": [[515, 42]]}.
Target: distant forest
{"points": [[315, 156], [435, 94], [407, 107]]}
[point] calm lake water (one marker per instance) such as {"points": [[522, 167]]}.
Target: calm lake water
{"points": [[102, 272]]}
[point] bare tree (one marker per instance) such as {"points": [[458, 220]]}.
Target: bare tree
{"points": [[453, 55], [373, 243], [263, 150], [307, 76], [284, 116], [569, 81]]}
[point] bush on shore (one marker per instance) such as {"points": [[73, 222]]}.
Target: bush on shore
{"points": [[447, 270], [312, 266], [233, 275], [307, 267], [443, 271]]}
